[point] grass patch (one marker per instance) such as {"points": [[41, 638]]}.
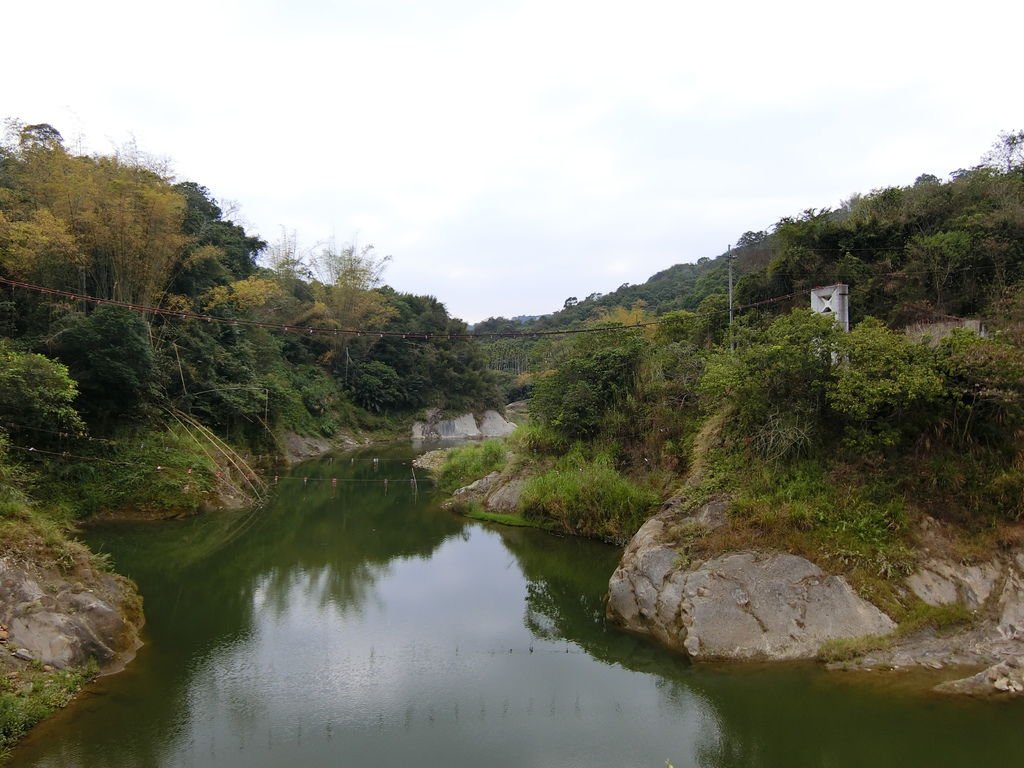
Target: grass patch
{"points": [[588, 497], [850, 648], [919, 616], [30, 533], [807, 506], [937, 617], [468, 463], [30, 694], [846, 520], [161, 471], [536, 439]]}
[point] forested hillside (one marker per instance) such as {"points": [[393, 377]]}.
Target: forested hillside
{"points": [[108, 261], [825, 443], [148, 342]]}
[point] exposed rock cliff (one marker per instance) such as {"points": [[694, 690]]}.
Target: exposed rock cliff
{"points": [[490, 424]]}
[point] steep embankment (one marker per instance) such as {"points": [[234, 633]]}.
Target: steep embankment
{"points": [[63, 618]]}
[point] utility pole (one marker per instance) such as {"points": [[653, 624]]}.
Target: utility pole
{"points": [[732, 342]]}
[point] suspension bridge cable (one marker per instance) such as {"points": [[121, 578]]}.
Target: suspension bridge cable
{"points": [[431, 335], [328, 331]]}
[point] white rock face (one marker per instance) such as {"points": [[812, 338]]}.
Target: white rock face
{"points": [[742, 605], [1011, 604], [491, 424]]}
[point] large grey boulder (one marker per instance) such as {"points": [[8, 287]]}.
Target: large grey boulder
{"points": [[741, 605], [477, 489], [67, 623], [505, 499], [493, 424]]}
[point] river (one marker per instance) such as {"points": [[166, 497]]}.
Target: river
{"points": [[356, 623]]}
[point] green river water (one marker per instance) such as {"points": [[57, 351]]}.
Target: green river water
{"points": [[359, 624]]}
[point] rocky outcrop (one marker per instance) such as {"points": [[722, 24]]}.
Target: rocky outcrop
{"points": [[741, 605], [992, 591], [496, 492], [466, 426], [939, 582], [477, 489], [1003, 680], [299, 447], [1010, 606], [431, 461], [63, 623], [505, 498]]}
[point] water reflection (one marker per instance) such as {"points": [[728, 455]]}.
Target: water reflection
{"points": [[346, 625], [792, 715]]}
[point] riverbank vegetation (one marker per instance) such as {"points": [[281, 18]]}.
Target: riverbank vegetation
{"points": [[188, 340], [35, 535], [467, 463], [149, 345], [148, 342], [828, 444], [31, 694]]}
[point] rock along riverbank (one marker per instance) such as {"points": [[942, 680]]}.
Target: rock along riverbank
{"points": [[759, 605]]}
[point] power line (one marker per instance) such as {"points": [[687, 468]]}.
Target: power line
{"points": [[437, 336], [300, 329]]}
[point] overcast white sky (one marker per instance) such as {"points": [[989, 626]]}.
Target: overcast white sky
{"points": [[510, 154]]}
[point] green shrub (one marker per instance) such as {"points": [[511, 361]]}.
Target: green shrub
{"points": [[163, 470], [574, 398], [471, 462], [775, 381], [588, 497], [36, 396], [32, 695], [886, 387]]}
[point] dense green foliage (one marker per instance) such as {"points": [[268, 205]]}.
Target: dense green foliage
{"points": [[575, 397], [120, 229], [36, 396], [586, 495], [827, 443]]}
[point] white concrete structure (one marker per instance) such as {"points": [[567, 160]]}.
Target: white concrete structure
{"points": [[833, 300]]}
